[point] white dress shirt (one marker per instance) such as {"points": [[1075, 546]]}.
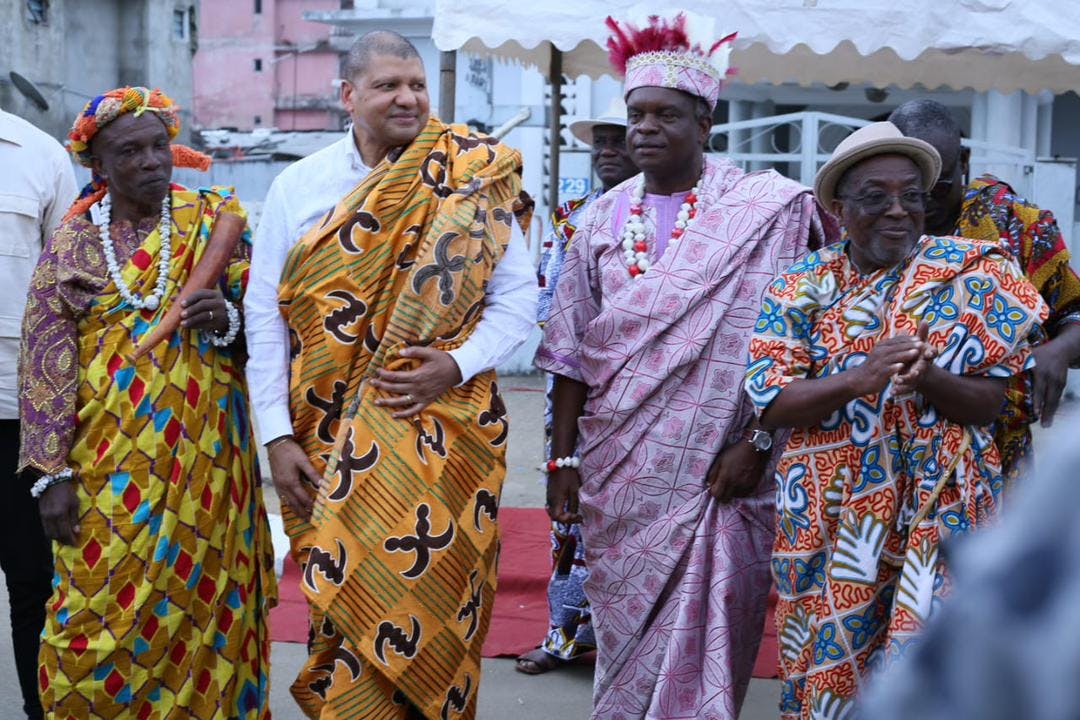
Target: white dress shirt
{"points": [[301, 195], [37, 186]]}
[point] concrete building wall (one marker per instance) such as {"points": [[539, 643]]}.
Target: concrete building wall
{"points": [[157, 42], [30, 49], [169, 54], [305, 91], [229, 90], [305, 69], [293, 28], [83, 35], [131, 20], [269, 68], [85, 47]]}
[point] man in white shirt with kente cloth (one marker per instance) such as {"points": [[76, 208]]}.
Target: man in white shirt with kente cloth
{"points": [[404, 279]]}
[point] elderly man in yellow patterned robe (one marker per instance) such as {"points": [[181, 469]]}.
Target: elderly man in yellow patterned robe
{"points": [[163, 561]]}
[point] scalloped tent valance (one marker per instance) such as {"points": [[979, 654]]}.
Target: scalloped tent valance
{"points": [[1004, 45]]}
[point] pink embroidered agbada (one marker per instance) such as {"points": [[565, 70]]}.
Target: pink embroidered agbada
{"points": [[678, 581]]}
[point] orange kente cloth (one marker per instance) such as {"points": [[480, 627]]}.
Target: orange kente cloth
{"points": [[399, 557]]}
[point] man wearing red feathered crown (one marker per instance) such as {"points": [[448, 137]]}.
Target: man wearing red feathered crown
{"points": [[648, 337]]}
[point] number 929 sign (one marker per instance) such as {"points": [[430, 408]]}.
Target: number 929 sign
{"points": [[573, 186]]}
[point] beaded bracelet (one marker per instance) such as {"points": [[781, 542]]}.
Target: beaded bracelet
{"points": [[230, 335], [45, 482], [563, 462]]}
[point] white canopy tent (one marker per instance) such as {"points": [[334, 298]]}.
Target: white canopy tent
{"points": [[982, 45], [1004, 45]]}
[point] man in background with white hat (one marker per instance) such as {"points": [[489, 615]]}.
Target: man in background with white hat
{"points": [[570, 631]]}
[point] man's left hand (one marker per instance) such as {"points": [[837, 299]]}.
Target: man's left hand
{"points": [[205, 310], [736, 472], [1048, 379], [415, 389]]}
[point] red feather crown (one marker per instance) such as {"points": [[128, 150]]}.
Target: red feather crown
{"points": [[663, 35]]}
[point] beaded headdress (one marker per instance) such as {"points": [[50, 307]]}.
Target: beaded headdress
{"points": [[106, 108], [675, 53]]}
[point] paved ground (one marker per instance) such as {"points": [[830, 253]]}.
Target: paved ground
{"points": [[504, 693]]}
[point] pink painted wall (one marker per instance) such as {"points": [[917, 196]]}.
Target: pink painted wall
{"points": [[292, 25], [307, 76], [230, 92]]}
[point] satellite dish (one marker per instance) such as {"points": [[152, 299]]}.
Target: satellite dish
{"points": [[29, 91]]}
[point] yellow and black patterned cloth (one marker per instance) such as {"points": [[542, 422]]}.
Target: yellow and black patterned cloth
{"points": [[399, 557]]}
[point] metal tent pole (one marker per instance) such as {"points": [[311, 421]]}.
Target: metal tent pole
{"points": [[555, 120], [447, 85]]}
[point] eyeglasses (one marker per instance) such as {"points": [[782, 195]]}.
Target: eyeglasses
{"points": [[941, 189], [944, 186], [876, 202], [614, 142]]}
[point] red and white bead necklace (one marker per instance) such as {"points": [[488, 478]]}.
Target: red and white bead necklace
{"points": [[635, 248]]}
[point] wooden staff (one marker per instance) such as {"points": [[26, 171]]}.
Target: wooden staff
{"points": [[219, 250]]}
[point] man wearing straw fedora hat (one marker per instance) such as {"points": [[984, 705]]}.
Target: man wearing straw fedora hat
{"points": [[570, 632], [887, 354]]}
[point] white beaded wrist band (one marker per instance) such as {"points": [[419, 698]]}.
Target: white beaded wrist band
{"points": [[45, 482], [230, 335], [563, 462]]}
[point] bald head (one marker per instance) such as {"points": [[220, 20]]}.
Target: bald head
{"points": [[370, 45], [930, 121]]}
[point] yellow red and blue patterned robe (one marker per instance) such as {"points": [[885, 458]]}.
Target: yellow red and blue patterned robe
{"points": [[866, 496], [159, 609], [992, 211]]}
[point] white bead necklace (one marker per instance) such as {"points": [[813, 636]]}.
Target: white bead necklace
{"points": [[635, 248], [153, 300]]}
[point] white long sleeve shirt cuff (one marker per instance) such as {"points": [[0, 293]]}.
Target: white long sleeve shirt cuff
{"points": [[275, 422], [509, 312]]}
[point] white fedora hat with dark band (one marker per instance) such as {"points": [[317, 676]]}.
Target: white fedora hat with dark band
{"points": [[614, 115], [880, 138]]}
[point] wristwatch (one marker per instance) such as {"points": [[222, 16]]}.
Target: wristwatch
{"points": [[760, 439]]}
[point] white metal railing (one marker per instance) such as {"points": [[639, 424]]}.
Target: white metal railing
{"points": [[1015, 164], [796, 144]]}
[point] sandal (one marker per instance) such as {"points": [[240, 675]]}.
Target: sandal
{"points": [[536, 662]]}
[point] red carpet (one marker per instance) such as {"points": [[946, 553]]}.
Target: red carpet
{"points": [[519, 620], [289, 620]]}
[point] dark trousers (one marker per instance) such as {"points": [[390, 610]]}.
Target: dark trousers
{"points": [[26, 559]]}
